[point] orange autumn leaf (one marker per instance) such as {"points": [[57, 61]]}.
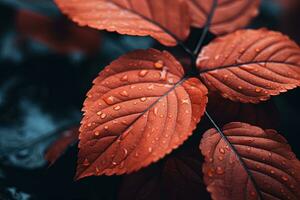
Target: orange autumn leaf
{"points": [[250, 65], [56, 149], [140, 108], [164, 20], [249, 163], [62, 37], [228, 15]]}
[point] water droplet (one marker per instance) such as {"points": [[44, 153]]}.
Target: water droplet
{"points": [[285, 178], [220, 170], [136, 154], [143, 73], [99, 113], [143, 99], [124, 93], [114, 163], [97, 133], [117, 107], [150, 149], [240, 87], [106, 127], [159, 64], [150, 87], [210, 172], [163, 73], [161, 116], [257, 50], [124, 78], [242, 50], [221, 150], [97, 171], [86, 162], [185, 101], [272, 172], [155, 111], [238, 61], [258, 90], [89, 124], [217, 57], [109, 100], [125, 151], [103, 115], [89, 96], [134, 103]]}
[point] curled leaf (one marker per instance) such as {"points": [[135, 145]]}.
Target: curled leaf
{"points": [[250, 65], [56, 149], [228, 15], [248, 162], [140, 108], [164, 20]]}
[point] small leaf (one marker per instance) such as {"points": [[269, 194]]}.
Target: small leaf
{"points": [[249, 163], [164, 20], [250, 65], [228, 16], [140, 108], [68, 138]]}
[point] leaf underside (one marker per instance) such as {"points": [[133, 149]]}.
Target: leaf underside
{"points": [[229, 15], [252, 163], [132, 17], [250, 65], [139, 109]]}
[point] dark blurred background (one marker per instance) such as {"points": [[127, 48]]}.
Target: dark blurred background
{"points": [[47, 65]]}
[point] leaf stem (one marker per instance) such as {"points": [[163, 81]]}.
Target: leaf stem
{"points": [[206, 28]]}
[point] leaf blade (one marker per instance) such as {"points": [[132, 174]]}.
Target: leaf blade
{"points": [[266, 156], [139, 109], [250, 65], [229, 15], [133, 17]]}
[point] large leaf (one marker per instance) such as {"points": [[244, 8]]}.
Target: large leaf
{"points": [[248, 162], [139, 109], [227, 15], [164, 20], [250, 65]]}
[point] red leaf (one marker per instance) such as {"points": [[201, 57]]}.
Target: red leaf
{"points": [[250, 65], [58, 35], [56, 149], [229, 15], [248, 164], [140, 109], [177, 178], [160, 19]]}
